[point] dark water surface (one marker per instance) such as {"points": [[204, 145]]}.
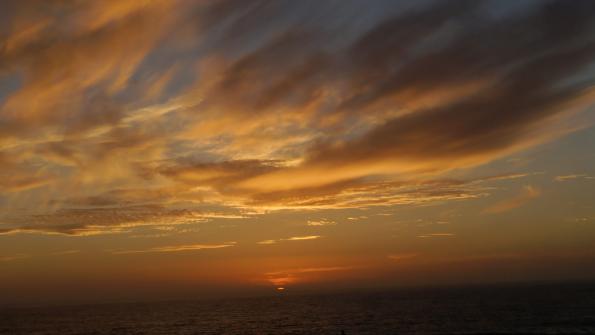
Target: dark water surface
{"points": [[543, 309]]}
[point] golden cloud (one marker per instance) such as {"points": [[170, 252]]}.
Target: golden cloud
{"points": [[527, 194], [121, 113]]}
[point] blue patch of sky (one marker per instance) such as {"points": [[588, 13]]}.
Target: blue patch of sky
{"points": [[9, 84]]}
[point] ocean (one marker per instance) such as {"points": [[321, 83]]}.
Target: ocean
{"points": [[506, 309]]}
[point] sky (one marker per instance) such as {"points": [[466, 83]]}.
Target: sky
{"points": [[157, 149]]}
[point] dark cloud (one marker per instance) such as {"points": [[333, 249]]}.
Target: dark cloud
{"points": [[527, 60], [281, 74], [91, 221], [524, 58], [276, 103]]}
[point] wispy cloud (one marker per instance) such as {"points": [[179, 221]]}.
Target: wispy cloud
{"points": [[65, 252], [572, 177], [437, 235], [293, 238], [13, 257], [165, 105], [89, 221], [290, 276], [321, 222], [402, 257], [308, 270], [268, 242], [303, 238], [176, 248], [526, 194], [361, 217]]}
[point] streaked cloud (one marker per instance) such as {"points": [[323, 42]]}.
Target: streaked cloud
{"points": [[321, 222], [268, 242], [361, 217], [65, 252], [293, 238], [402, 257], [308, 270], [572, 177], [295, 275], [126, 113], [11, 258], [101, 220], [436, 235], [176, 248], [303, 238], [526, 194]]}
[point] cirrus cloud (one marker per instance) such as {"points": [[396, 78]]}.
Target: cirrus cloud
{"points": [[122, 113]]}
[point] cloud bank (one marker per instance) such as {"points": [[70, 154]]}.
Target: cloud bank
{"points": [[123, 113]]}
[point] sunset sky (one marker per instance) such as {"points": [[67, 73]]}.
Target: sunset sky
{"points": [[157, 149]]}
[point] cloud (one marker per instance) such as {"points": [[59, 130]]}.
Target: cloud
{"points": [[65, 252], [13, 257], [268, 242], [176, 248], [436, 235], [526, 194], [172, 106], [572, 177], [293, 238], [290, 276], [498, 119], [363, 217], [308, 270], [402, 257], [303, 238], [321, 222], [509, 176], [69, 76], [85, 222]]}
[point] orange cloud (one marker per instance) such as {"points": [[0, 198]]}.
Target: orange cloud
{"points": [[572, 177], [436, 235], [177, 248], [321, 222], [13, 257], [527, 194], [291, 276], [293, 238], [402, 257], [176, 106]]}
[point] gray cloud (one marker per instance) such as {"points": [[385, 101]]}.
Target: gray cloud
{"points": [[277, 104]]}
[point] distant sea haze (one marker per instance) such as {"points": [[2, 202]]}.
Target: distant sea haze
{"points": [[519, 309]]}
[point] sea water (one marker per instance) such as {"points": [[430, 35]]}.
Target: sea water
{"points": [[524, 309]]}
